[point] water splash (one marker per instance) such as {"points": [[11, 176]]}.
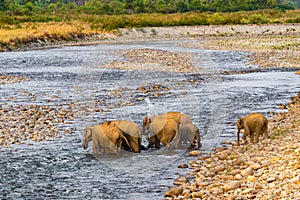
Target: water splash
{"points": [[152, 109]]}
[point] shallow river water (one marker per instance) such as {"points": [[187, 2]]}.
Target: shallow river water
{"points": [[61, 169]]}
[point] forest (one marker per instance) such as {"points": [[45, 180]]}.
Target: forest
{"points": [[117, 7]]}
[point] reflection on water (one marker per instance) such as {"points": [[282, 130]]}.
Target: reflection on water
{"points": [[61, 169]]}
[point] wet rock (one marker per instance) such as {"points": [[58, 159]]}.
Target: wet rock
{"points": [[194, 153], [173, 192], [183, 166], [180, 180]]}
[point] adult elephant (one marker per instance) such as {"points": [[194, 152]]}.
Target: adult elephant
{"points": [[108, 138], [188, 132], [179, 117], [159, 129], [131, 131], [252, 123]]}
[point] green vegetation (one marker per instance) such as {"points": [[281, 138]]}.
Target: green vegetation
{"points": [[26, 7], [29, 21]]}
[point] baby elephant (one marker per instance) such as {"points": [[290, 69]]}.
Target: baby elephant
{"points": [[187, 133], [252, 123]]}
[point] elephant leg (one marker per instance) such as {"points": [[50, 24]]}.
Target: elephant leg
{"points": [[265, 133], [151, 141], [249, 132], [95, 146], [197, 137], [192, 143], [177, 140], [257, 134], [157, 143], [246, 133]]}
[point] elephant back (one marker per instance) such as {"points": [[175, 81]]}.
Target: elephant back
{"points": [[157, 124], [129, 127], [185, 119]]}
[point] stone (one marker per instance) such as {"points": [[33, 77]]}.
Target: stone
{"points": [[256, 166], [251, 178], [247, 172], [173, 191], [202, 184], [295, 180], [219, 169], [197, 195], [232, 185], [180, 180], [271, 179], [182, 166], [194, 153]]}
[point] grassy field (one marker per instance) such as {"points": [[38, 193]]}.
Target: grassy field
{"points": [[20, 30]]}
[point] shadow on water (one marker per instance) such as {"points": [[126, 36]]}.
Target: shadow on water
{"points": [[61, 169]]}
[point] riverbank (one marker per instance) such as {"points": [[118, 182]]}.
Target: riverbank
{"points": [[268, 170]]}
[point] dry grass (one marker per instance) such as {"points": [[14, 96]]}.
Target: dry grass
{"points": [[44, 32]]}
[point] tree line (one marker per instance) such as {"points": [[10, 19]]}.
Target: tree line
{"points": [[27, 7]]}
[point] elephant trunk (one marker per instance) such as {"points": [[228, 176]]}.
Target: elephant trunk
{"points": [[85, 144]]}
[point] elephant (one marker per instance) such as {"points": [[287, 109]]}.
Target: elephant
{"points": [[179, 117], [158, 130], [187, 133], [108, 138], [131, 131], [252, 123]]}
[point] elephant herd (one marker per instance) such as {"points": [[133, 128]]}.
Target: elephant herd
{"points": [[172, 129]]}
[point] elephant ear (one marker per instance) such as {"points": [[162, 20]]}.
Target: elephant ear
{"points": [[147, 120], [240, 123]]}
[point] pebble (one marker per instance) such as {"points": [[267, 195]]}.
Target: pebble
{"points": [[180, 180], [194, 153], [173, 191], [247, 172], [182, 166], [232, 185]]}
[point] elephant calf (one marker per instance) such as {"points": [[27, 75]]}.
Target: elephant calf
{"points": [[107, 137], [252, 123], [187, 133]]}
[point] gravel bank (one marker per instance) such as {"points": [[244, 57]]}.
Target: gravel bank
{"points": [[268, 170]]}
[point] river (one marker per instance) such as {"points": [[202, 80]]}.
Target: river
{"points": [[61, 169]]}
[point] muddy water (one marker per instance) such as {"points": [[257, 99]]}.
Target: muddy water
{"points": [[61, 169]]}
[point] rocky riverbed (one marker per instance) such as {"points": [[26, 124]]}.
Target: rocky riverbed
{"points": [[268, 170]]}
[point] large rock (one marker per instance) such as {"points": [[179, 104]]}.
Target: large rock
{"points": [[173, 191]]}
